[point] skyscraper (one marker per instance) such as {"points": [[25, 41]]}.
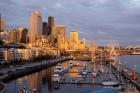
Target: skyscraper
{"points": [[22, 35], [35, 26], [51, 21], [45, 29], [73, 40], [51, 26], [2, 26], [13, 36], [60, 30], [74, 36]]}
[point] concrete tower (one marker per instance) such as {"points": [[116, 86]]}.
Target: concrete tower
{"points": [[35, 26]]}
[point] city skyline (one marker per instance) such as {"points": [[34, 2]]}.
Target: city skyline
{"points": [[106, 19]]}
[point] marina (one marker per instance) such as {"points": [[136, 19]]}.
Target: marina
{"points": [[72, 78]]}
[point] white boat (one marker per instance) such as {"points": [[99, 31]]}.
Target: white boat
{"points": [[59, 68], [112, 84], [109, 83], [79, 78], [71, 64], [84, 71], [56, 77]]}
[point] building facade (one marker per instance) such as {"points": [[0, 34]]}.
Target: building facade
{"points": [[74, 40], [22, 35], [45, 29], [35, 26]]}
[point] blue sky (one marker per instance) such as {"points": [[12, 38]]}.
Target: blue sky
{"points": [[107, 20]]}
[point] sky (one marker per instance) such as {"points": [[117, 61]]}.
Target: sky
{"points": [[106, 21]]}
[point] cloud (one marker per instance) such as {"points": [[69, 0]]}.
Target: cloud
{"points": [[116, 20]]}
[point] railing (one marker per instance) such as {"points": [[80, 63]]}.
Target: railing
{"points": [[2, 87], [127, 75]]}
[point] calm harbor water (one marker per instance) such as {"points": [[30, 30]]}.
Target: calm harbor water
{"points": [[131, 61], [42, 81]]}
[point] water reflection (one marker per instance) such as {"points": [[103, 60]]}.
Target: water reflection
{"points": [[35, 82], [41, 82]]}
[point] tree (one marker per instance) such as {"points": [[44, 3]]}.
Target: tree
{"points": [[1, 42]]}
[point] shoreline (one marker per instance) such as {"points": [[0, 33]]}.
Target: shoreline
{"points": [[31, 69]]}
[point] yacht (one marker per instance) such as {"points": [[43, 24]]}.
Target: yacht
{"points": [[109, 83], [56, 77], [58, 68], [79, 78], [84, 71], [113, 85]]}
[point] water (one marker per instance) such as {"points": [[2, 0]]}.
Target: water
{"points": [[42, 81], [131, 61]]}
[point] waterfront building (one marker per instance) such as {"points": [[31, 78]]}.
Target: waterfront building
{"points": [[35, 26], [1, 56], [22, 35], [8, 55]]}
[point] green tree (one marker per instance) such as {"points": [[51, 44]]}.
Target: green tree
{"points": [[1, 42]]}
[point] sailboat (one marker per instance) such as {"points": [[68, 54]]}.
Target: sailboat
{"points": [[101, 65], [110, 83], [94, 73]]}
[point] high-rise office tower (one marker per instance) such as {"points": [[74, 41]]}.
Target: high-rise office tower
{"points": [[35, 26], [2, 26], [74, 36], [0, 22], [22, 35], [60, 30], [45, 29], [51, 21], [13, 36], [74, 40], [51, 26]]}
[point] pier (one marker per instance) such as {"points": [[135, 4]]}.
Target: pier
{"points": [[125, 72]]}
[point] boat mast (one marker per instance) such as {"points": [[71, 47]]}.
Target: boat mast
{"points": [[111, 54], [94, 64], [91, 52], [101, 61], [118, 63]]}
